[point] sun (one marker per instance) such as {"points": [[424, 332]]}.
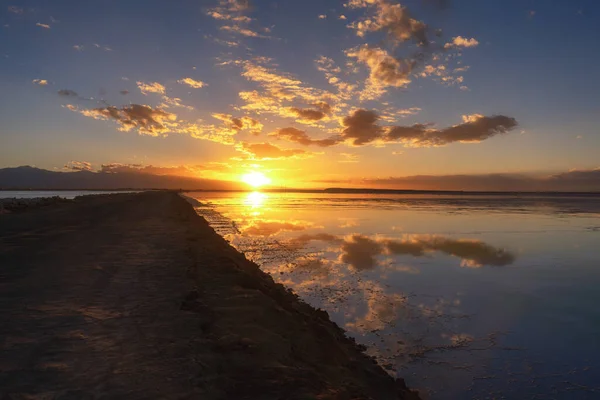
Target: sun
{"points": [[256, 179]]}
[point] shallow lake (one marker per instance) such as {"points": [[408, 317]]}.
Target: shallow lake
{"points": [[462, 296]]}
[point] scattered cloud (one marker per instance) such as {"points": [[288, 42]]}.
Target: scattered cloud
{"points": [[349, 158], [393, 19], [152, 87], [181, 170], [267, 151], [78, 166], [141, 118], [571, 181], [460, 41], [361, 128], [385, 70], [236, 125], [67, 93], [192, 83], [15, 10], [298, 136], [41, 82], [45, 26], [242, 31], [124, 92], [322, 16]]}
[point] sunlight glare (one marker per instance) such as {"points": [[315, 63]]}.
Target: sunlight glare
{"points": [[256, 179], [255, 199]]}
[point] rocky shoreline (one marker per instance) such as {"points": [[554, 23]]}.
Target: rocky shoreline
{"points": [[135, 296], [13, 204]]}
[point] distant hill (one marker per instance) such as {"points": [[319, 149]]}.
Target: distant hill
{"points": [[27, 177]]}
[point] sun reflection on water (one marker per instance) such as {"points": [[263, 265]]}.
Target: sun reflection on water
{"points": [[255, 200]]}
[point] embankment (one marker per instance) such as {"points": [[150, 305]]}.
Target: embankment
{"points": [[134, 296]]}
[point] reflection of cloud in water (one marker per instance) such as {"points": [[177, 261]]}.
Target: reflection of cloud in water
{"points": [[383, 311], [348, 222], [302, 240], [313, 265], [361, 251], [273, 227]]}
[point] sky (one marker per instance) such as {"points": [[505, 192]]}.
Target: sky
{"points": [[310, 93]]}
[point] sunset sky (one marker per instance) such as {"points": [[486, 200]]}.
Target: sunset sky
{"points": [[311, 93]]}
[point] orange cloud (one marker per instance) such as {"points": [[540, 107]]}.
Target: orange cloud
{"points": [[296, 135], [385, 70], [267, 151], [361, 128], [238, 124], [460, 41], [393, 19], [192, 83], [78, 166], [144, 119], [152, 87]]}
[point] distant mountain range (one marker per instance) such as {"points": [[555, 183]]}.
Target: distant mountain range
{"points": [[27, 177]]}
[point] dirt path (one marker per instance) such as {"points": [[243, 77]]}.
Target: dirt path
{"points": [[133, 296]]}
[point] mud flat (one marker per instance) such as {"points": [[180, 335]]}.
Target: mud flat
{"points": [[134, 296]]}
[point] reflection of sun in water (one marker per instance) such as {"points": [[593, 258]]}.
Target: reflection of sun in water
{"points": [[255, 199], [256, 179]]}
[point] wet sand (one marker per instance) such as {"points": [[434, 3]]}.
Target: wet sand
{"points": [[134, 296]]}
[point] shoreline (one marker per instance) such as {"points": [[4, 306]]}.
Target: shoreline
{"points": [[223, 327]]}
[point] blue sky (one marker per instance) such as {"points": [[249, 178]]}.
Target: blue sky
{"points": [[531, 62]]}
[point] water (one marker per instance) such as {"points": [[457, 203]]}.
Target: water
{"points": [[66, 194], [464, 297]]}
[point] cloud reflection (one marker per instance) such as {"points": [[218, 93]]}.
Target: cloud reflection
{"points": [[361, 252]]}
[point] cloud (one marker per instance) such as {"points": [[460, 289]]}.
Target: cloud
{"points": [[152, 87], [267, 151], [280, 93], [385, 70], [349, 158], [393, 19], [78, 47], [571, 181], [192, 83], [124, 92], [78, 166], [41, 82], [460, 41], [67, 93], [242, 31], [296, 135], [142, 118], [237, 124], [233, 13], [15, 10], [361, 128], [45, 26], [322, 16], [307, 114], [193, 171]]}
